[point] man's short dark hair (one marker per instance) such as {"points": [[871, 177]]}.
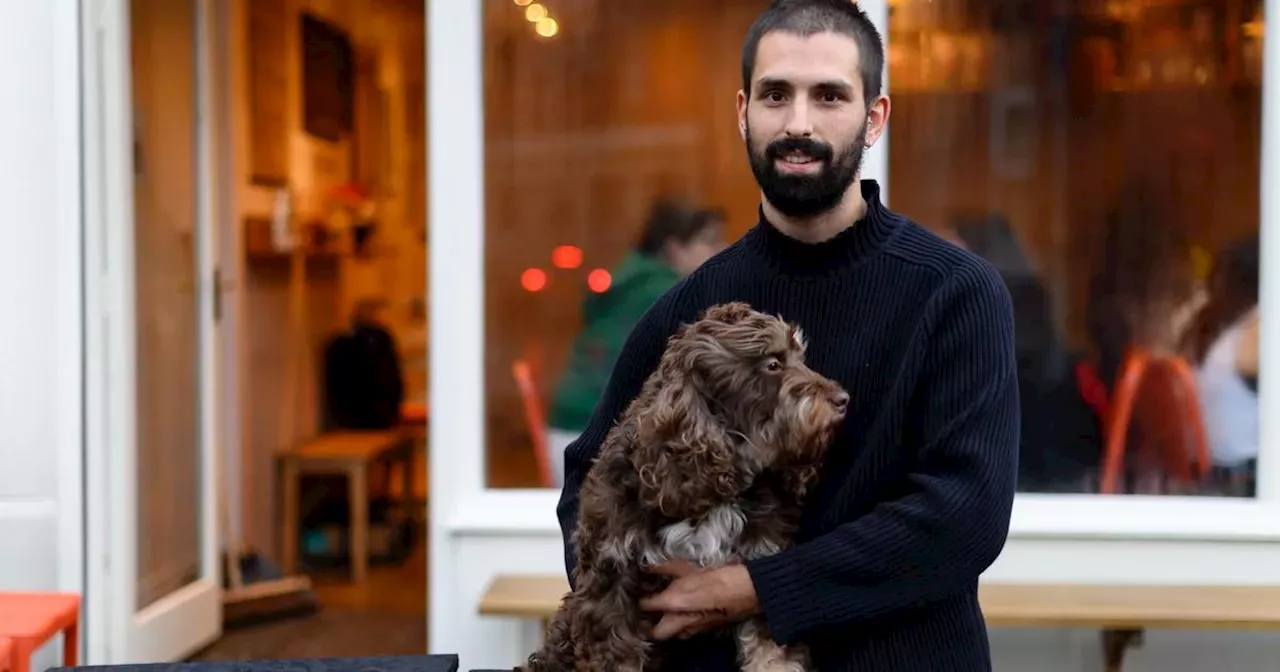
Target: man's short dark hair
{"points": [[810, 17]]}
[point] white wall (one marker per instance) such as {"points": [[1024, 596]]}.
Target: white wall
{"points": [[40, 411], [497, 643]]}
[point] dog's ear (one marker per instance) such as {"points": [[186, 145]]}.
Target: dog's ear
{"points": [[685, 458], [730, 313]]}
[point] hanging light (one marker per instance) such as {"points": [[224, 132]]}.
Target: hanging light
{"points": [[599, 280], [566, 256], [547, 27], [533, 279]]}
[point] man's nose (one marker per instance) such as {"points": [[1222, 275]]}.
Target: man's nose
{"points": [[799, 125]]}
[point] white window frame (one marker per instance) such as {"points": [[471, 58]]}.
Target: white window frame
{"points": [[1076, 527]]}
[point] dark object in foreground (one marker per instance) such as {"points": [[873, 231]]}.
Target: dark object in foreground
{"points": [[434, 663]]}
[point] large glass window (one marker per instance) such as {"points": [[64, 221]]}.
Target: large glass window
{"points": [[1104, 156], [599, 118]]}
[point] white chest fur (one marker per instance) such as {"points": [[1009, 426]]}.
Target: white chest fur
{"points": [[713, 540]]}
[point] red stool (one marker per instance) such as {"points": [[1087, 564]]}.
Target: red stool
{"points": [[29, 620], [6, 652]]}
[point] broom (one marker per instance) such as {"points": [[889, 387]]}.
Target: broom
{"points": [[255, 590]]}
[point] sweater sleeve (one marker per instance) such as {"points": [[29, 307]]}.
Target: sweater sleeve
{"points": [[638, 359], [952, 518]]}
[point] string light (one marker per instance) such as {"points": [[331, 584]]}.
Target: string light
{"points": [[538, 14], [547, 27]]}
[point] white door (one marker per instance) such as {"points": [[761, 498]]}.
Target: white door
{"points": [[154, 590]]}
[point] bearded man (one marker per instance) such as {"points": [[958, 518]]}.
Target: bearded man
{"points": [[915, 497]]}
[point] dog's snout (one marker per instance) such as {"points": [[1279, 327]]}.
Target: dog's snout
{"points": [[840, 400]]}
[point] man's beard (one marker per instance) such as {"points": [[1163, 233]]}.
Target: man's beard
{"points": [[804, 196]]}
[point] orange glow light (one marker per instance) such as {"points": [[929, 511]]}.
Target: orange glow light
{"points": [[566, 256], [533, 279], [599, 280]]}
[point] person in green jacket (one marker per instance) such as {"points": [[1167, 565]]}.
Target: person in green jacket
{"points": [[676, 240]]}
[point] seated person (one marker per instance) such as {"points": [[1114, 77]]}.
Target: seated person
{"points": [[1061, 437], [1225, 349], [675, 241]]}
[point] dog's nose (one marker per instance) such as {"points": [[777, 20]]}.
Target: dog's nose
{"points": [[840, 400]]}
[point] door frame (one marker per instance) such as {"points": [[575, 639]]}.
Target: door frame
{"points": [[190, 618]]}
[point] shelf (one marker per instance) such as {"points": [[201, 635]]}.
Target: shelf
{"points": [[319, 245]]}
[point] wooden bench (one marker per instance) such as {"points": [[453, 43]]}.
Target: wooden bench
{"points": [[1121, 613], [349, 454]]}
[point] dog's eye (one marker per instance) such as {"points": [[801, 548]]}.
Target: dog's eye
{"points": [[772, 364]]}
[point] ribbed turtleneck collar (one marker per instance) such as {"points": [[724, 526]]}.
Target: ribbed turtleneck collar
{"points": [[859, 241]]}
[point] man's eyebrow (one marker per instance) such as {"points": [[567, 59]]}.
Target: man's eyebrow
{"points": [[834, 85], [773, 83], [825, 85]]}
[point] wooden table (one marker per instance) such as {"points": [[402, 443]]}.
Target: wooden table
{"points": [[349, 454], [1121, 613]]}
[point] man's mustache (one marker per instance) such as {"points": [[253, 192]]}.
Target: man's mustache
{"points": [[819, 151]]}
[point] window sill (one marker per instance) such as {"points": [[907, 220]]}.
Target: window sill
{"points": [[531, 512]]}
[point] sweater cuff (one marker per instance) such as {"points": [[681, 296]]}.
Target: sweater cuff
{"points": [[783, 590]]}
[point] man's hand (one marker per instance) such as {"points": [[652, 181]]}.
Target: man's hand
{"points": [[701, 599]]}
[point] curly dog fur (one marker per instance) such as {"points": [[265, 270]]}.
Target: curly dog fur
{"points": [[710, 464]]}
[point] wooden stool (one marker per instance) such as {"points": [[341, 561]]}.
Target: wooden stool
{"points": [[29, 620], [348, 453]]}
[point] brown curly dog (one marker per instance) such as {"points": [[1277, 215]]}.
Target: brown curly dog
{"points": [[709, 464]]}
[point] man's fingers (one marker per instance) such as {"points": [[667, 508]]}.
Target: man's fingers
{"points": [[673, 624], [664, 601]]}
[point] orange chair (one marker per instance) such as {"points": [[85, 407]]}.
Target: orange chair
{"points": [[414, 413], [29, 620], [1156, 395], [533, 415]]}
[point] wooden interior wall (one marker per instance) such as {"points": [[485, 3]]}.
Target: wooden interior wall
{"points": [[633, 100], [387, 36]]}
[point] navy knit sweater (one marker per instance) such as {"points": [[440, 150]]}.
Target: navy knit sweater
{"points": [[916, 493]]}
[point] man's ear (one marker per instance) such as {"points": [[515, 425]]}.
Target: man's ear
{"points": [[742, 114], [877, 119]]}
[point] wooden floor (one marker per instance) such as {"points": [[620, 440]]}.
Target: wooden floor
{"points": [[386, 615]]}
